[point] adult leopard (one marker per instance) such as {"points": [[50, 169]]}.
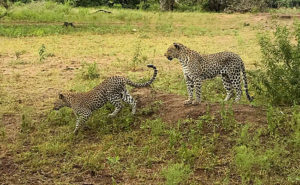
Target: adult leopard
{"points": [[197, 68], [112, 89]]}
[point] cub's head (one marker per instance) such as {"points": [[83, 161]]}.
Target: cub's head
{"points": [[174, 51], [61, 102]]}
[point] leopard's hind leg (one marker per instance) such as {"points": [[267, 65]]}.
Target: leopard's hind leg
{"points": [[228, 86], [126, 97], [115, 99], [236, 83]]}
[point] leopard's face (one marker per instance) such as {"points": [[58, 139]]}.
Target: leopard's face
{"points": [[173, 51], [60, 102]]}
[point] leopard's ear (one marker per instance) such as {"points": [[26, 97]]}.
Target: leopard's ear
{"points": [[177, 45], [61, 96]]}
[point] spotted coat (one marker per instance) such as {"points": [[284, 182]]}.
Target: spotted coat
{"points": [[111, 90], [197, 68]]}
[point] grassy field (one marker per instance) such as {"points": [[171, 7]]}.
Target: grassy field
{"points": [[166, 142]]}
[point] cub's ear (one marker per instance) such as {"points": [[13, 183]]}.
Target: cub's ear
{"points": [[61, 96], [177, 45]]}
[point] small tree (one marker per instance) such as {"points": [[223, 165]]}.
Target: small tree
{"points": [[278, 77], [167, 5], [4, 3]]}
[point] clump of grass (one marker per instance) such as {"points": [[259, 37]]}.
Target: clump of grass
{"points": [[53, 148], [177, 173], [26, 124], [62, 117], [89, 71], [91, 160], [247, 160], [19, 53], [227, 116], [2, 132], [156, 126]]}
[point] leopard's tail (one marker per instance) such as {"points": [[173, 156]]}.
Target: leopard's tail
{"points": [[131, 83], [250, 98]]}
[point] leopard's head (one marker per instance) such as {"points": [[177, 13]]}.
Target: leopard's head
{"points": [[174, 51], [61, 102]]}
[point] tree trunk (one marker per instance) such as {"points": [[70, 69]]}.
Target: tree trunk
{"points": [[4, 3], [166, 5]]}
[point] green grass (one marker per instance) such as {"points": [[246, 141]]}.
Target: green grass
{"points": [[29, 17], [37, 142]]}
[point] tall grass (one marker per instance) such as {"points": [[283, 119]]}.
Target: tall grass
{"points": [[47, 17]]}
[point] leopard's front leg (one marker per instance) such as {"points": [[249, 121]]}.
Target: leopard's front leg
{"points": [[198, 85], [190, 89], [81, 119]]}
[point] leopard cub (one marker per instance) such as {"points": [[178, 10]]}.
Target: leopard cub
{"points": [[111, 90]]}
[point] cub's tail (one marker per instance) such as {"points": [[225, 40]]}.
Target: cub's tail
{"points": [[131, 83]]}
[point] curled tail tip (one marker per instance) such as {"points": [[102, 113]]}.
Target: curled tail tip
{"points": [[251, 98], [151, 66]]}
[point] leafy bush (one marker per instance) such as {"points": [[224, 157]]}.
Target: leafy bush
{"points": [[85, 3], [247, 160], [238, 5], [176, 174], [278, 76], [89, 71]]}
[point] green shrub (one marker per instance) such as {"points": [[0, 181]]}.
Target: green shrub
{"points": [[176, 173], [62, 117], [156, 126], [278, 76], [42, 51], [250, 163], [26, 124], [89, 71]]}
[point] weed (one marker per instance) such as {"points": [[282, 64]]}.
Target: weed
{"points": [[137, 56], [89, 71], [113, 160], [62, 117], [244, 137], [151, 109], [187, 155], [18, 62], [156, 126], [26, 124], [53, 148], [42, 51], [245, 160], [174, 137], [91, 160], [2, 132], [177, 173], [114, 163], [296, 127], [19, 53], [227, 116]]}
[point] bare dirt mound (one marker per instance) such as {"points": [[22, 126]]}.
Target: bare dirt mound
{"points": [[173, 108]]}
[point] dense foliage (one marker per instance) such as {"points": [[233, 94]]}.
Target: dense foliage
{"points": [[185, 5], [279, 75]]}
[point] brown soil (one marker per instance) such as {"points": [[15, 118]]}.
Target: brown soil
{"points": [[173, 108]]}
